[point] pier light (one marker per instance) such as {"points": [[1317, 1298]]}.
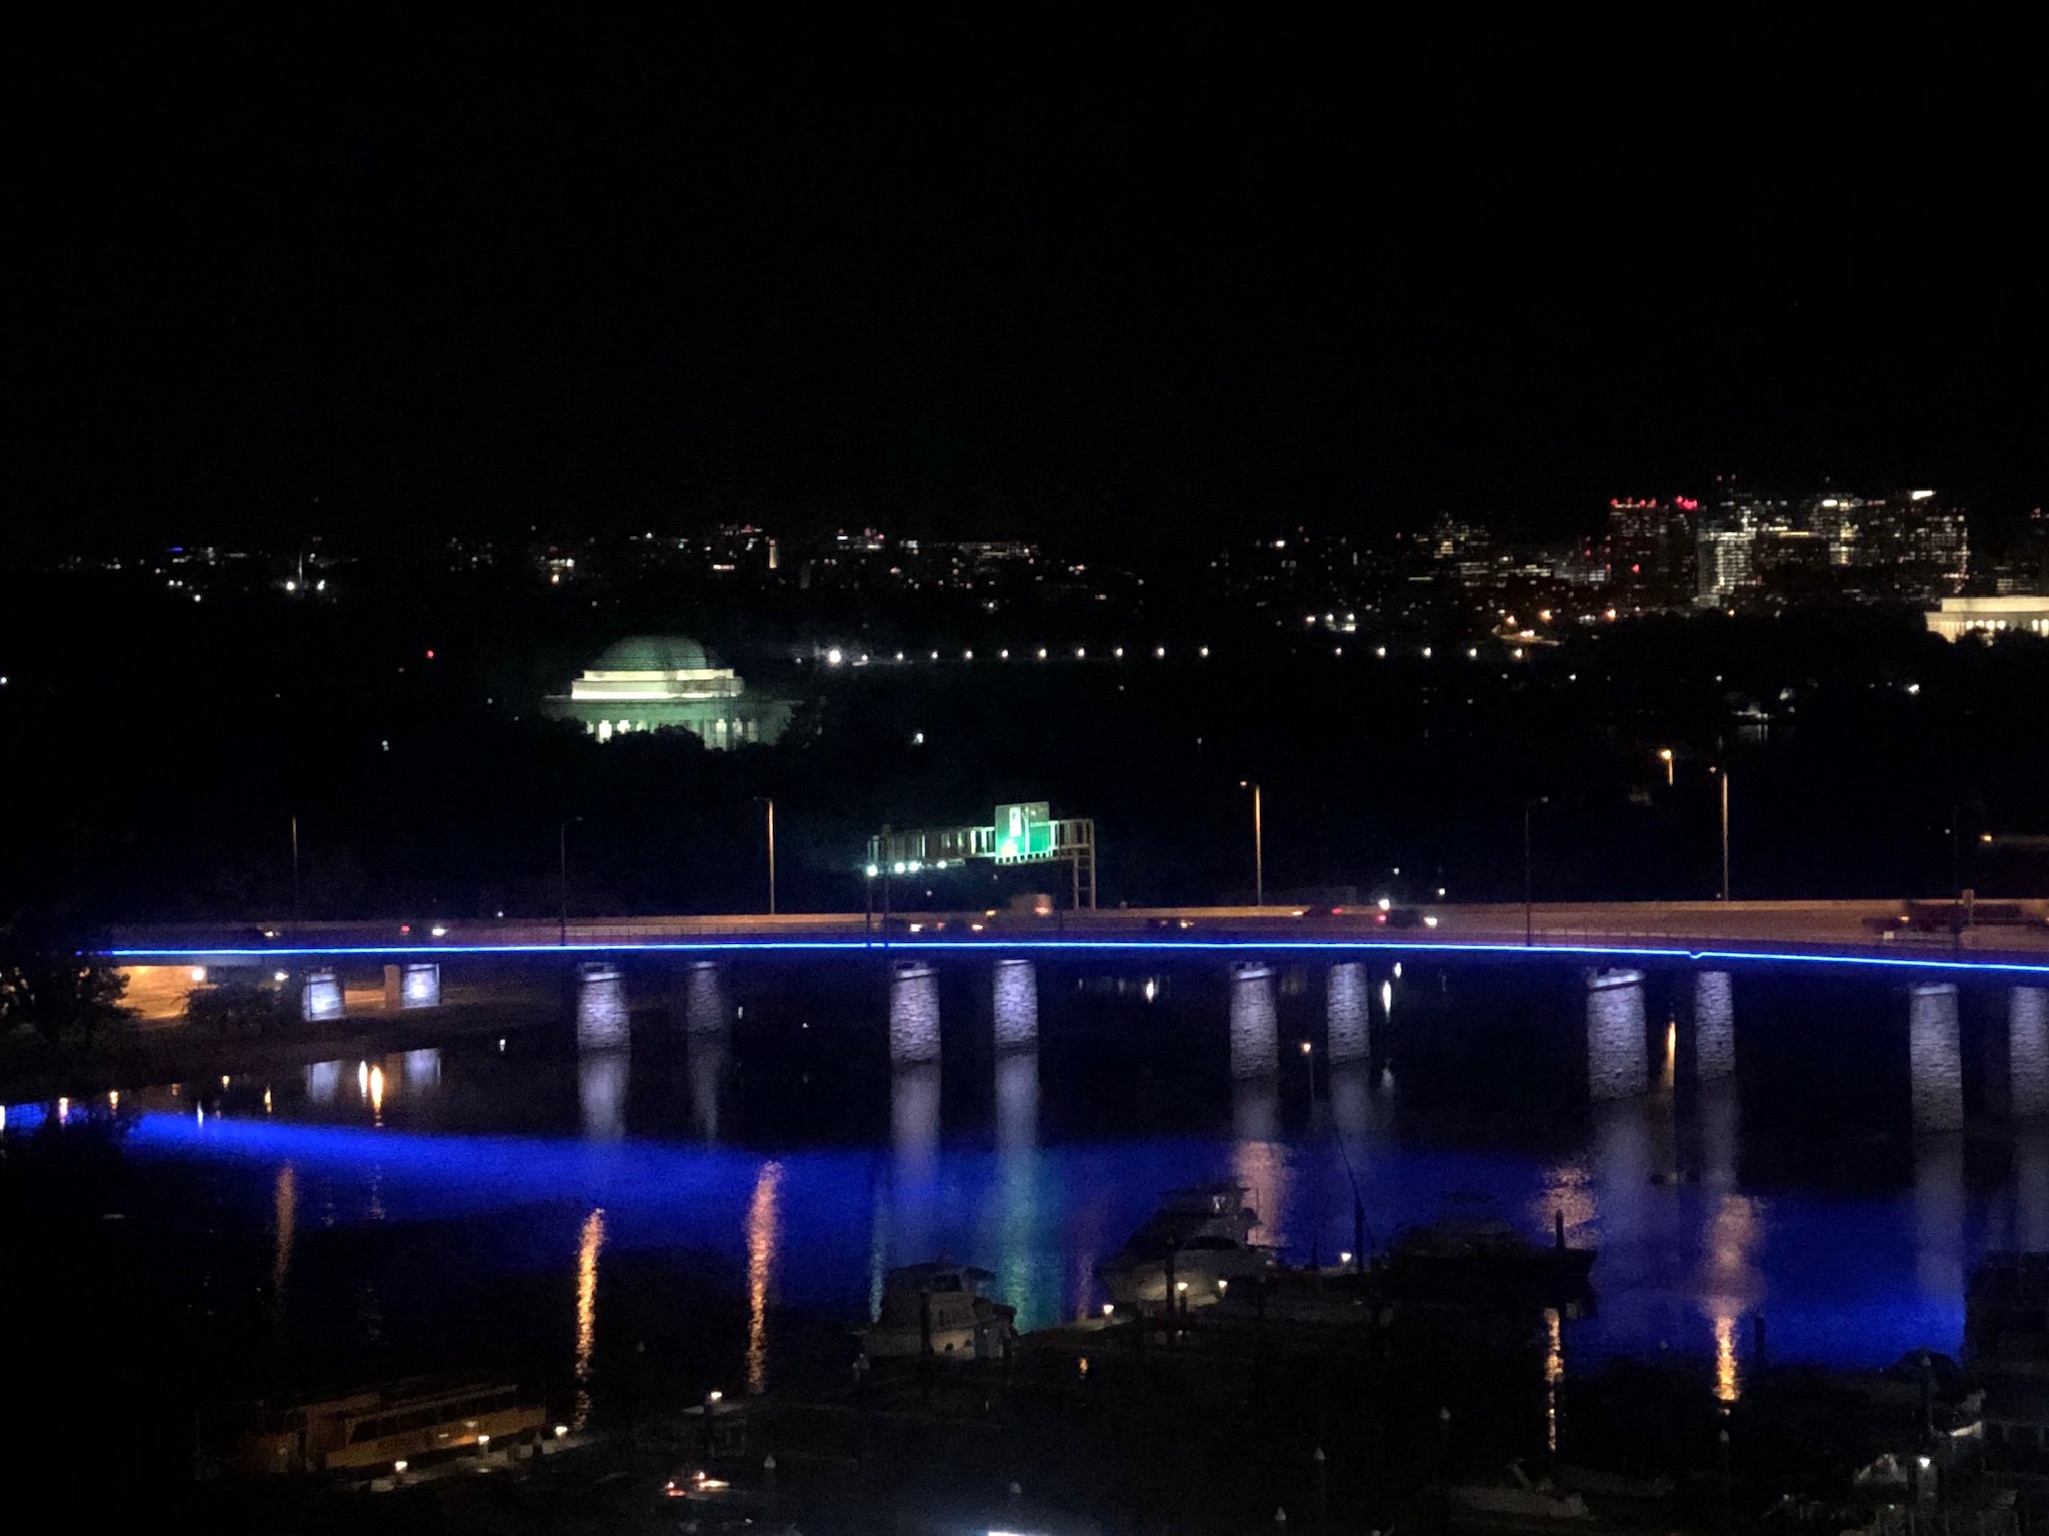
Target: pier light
{"points": [[1202, 651], [399, 1466], [967, 655], [1223, 1286], [1159, 653], [873, 871], [484, 1442], [1380, 651], [1118, 653], [834, 657], [1003, 655], [1042, 653], [1306, 1048], [561, 1430], [1180, 1286], [1109, 1307], [714, 1396], [1344, 1258], [1081, 653]]}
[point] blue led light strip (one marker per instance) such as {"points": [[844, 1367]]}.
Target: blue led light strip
{"points": [[1095, 946]]}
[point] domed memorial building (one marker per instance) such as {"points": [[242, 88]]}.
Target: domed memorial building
{"points": [[668, 682]]}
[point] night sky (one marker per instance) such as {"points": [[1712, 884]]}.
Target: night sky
{"points": [[1028, 276]]}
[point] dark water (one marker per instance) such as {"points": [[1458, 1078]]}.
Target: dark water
{"points": [[716, 1206]]}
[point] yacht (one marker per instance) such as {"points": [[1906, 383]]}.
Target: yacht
{"points": [[1193, 1248], [939, 1309]]}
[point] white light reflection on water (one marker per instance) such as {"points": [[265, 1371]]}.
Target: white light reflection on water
{"points": [[285, 1223], [763, 1239]]}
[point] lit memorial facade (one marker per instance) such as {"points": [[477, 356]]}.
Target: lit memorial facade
{"points": [[667, 682]]}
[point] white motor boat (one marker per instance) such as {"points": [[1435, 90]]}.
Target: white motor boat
{"points": [[939, 1309], [1192, 1249]]}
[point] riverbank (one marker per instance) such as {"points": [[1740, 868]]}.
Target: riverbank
{"points": [[131, 1056]]}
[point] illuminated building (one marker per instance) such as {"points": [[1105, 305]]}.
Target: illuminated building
{"points": [[1959, 616], [1651, 550], [667, 682]]}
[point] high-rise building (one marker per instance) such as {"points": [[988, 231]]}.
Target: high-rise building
{"points": [[1913, 544], [1651, 555]]}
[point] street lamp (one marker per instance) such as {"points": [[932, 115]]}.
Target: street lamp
{"points": [[1723, 775], [1258, 847], [1529, 909], [769, 801], [1665, 757], [562, 848]]}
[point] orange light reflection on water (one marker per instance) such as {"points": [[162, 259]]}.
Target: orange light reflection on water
{"points": [[763, 1234], [587, 1310]]}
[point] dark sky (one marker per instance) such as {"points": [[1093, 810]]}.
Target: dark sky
{"points": [[1173, 279]]}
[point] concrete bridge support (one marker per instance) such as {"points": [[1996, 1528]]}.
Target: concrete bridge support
{"points": [[320, 996], [1714, 1026], [1348, 1012], [913, 1014], [601, 1019], [2027, 1052], [1016, 995], [1616, 1064], [412, 986], [1935, 1058], [1255, 1029]]}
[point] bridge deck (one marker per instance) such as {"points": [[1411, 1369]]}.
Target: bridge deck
{"points": [[1822, 932]]}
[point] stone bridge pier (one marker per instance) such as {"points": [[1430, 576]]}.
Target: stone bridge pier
{"points": [[1348, 1012], [1255, 1027], [1015, 999], [1935, 1058], [1617, 1067]]}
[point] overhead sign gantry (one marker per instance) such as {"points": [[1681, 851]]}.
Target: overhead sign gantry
{"points": [[1025, 832]]}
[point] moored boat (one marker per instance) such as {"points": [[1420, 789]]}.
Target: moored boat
{"points": [[939, 1309], [1192, 1249]]}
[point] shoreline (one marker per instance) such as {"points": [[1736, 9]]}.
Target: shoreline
{"points": [[141, 1058]]}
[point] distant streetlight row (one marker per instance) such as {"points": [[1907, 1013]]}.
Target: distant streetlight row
{"points": [[838, 656], [835, 656]]}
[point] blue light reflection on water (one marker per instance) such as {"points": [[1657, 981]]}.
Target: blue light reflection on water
{"points": [[1848, 1280]]}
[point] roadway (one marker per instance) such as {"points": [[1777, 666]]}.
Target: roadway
{"points": [[1819, 930]]}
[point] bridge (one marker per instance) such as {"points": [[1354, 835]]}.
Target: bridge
{"points": [[1658, 978], [1826, 933]]}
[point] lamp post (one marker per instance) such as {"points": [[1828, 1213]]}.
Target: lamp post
{"points": [[769, 801], [1529, 907], [1724, 775], [1665, 757], [562, 849], [1258, 847], [295, 874]]}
